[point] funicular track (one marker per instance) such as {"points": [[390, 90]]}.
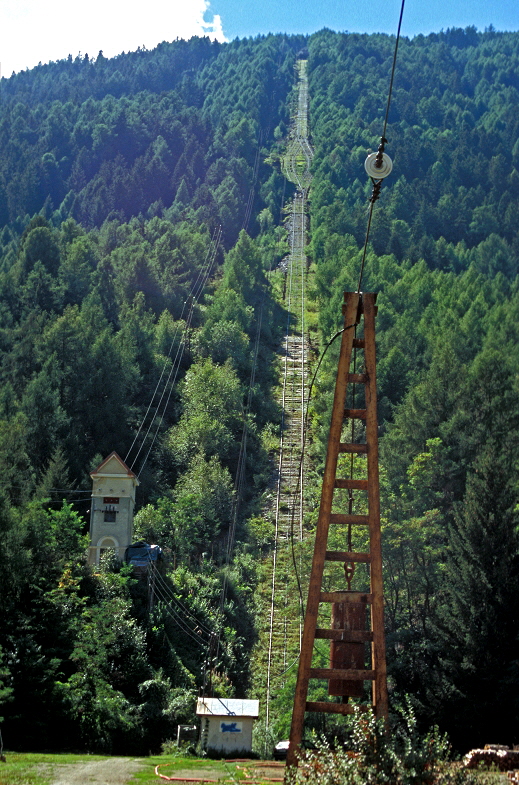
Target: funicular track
{"points": [[281, 630]]}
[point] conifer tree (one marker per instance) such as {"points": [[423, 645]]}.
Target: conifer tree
{"points": [[479, 621]]}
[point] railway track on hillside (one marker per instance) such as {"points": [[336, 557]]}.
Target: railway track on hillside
{"points": [[285, 624], [280, 634]]}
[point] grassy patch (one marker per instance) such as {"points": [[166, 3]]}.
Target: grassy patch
{"points": [[40, 769], [204, 768], [32, 768]]}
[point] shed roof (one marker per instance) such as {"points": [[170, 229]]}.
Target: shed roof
{"points": [[227, 707]]}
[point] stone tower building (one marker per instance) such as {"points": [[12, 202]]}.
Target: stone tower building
{"points": [[113, 500]]}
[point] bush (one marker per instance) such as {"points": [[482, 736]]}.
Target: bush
{"points": [[182, 750], [400, 756]]}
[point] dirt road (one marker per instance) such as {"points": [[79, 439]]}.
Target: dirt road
{"points": [[115, 771]]}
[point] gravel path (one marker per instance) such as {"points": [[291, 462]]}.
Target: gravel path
{"points": [[115, 771]]}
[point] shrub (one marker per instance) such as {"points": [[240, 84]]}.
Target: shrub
{"points": [[378, 756]]}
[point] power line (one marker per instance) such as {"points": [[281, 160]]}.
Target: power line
{"points": [[168, 591], [180, 352], [195, 293], [177, 618], [66, 490], [382, 163], [69, 501], [393, 68]]}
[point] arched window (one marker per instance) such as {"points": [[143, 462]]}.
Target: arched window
{"points": [[104, 544]]}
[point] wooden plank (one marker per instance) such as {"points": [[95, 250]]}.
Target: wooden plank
{"points": [[378, 656], [347, 617], [360, 485], [357, 378], [340, 673], [347, 636], [358, 343], [348, 556], [344, 519], [345, 596], [335, 708], [348, 447], [355, 414]]}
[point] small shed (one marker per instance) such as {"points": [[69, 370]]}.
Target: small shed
{"points": [[227, 723]]}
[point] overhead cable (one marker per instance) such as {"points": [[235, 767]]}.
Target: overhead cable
{"points": [[196, 290], [378, 165]]}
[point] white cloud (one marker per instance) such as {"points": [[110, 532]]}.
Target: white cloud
{"points": [[33, 31]]}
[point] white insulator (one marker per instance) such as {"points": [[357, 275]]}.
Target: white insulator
{"points": [[378, 173]]}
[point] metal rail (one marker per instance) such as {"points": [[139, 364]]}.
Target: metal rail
{"points": [[285, 625]]}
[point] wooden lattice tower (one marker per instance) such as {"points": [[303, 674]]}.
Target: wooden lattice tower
{"points": [[350, 630]]}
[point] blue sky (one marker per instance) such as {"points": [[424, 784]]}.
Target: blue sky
{"points": [[41, 30], [244, 17]]}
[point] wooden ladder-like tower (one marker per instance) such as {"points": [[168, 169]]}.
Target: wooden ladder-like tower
{"points": [[350, 630]]}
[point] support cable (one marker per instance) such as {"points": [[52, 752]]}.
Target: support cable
{"points": [[175, 368], [170, 350], [177, 618], [303, 450], [195, 293], [187, 613], [378, 165], [240, 470], [165, 596]]}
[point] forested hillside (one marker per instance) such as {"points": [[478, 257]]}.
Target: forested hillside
{"points": [[444, 258], [133, 312], [139, 219]]}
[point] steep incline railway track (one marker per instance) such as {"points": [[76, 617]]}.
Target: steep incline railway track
{"points": [[280, 635]]}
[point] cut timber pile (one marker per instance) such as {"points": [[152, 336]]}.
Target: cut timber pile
{"points": [[501, 759]]}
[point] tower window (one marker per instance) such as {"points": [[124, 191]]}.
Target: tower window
{"points": [[110, 513]]}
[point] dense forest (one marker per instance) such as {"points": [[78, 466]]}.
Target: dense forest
{"points": [[443, 257], [140, 204]]}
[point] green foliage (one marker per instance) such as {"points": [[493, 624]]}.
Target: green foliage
{"points": [[210, 421], [477, 628], [376, 754], [203, 506], [103, 714], [6, 692]]}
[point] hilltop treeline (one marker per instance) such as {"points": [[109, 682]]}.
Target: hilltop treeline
{"points": [[137, 224]]}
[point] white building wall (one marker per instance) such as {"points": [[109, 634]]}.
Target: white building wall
{"points": [[223, 736]]}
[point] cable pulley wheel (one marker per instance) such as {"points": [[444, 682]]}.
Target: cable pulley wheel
{"points": [[376, 172]]}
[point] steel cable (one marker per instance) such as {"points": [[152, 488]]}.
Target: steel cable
{"points": [[196, 290]]}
